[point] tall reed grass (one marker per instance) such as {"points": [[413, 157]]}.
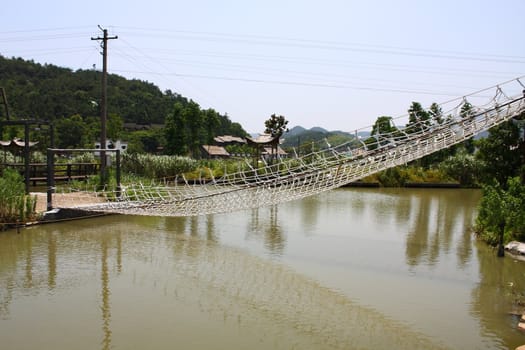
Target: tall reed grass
{"points": [[15, 205], [157, 167]]}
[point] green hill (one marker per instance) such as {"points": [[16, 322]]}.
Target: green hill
{"points": [[49, 92], [300, 137], [70, 99]]}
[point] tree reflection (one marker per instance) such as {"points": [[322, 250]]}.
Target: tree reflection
{"points": [[434, 218], [51, 261], [268, 230], [309, 211], [417, 238], [105, 294], [211, 235], [499, 294]]}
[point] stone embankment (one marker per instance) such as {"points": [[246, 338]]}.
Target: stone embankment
{"points": [[517, 249]]}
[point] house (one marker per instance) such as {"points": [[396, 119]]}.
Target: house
{"points": [[120, 145], [214, 152], [226, 140], [267, 146]]}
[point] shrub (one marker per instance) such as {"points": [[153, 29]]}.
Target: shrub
{"points": [[502, 208], [157, 167], [15, 205]]}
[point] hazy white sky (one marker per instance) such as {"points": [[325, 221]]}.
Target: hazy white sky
{"points": [[334, 64]]}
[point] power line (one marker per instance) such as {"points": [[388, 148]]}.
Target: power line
{"points": [[285, 82], [327, 45]]}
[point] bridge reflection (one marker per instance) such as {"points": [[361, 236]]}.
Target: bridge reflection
{"points": [[178, 263]]}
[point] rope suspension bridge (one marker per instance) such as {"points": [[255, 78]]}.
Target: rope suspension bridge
{"points": [[325, 168]]}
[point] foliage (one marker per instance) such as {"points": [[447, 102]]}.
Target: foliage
{"points": [[401, 175], [145, 141], [382, 132], [49, 92], [241, 150], [38, 157], [196, 134], [463, 167], [87, 157], [175, 131], [418, 118], [276, 125], [501, 153], [393, 177], [155, 166], [383, 126], [70, 132], [15, 205], [502, 209]]}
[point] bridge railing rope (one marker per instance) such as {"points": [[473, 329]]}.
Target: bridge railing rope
{"points": [[326, 166]]}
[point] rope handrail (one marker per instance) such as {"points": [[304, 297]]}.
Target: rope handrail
{"points": [[326, 166]]}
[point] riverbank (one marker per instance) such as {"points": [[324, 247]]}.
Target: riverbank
{"points": [[68, 204], [375, 184]]}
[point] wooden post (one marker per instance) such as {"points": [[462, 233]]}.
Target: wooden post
{"points": [[501, 249], [26, 156], [50, 178], [118, 174]]}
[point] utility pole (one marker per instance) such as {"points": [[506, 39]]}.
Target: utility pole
{"points": [[4, 102], [103, 103], [523, 146]]}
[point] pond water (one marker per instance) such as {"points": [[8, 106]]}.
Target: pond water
{"points": [[347, 269]]}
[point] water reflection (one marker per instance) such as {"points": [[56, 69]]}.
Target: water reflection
{"points": [[433, 221], [140, 282], [106, 310], [51, 261], [309, 213], [499, 297], [267, 229], [198, 279]]}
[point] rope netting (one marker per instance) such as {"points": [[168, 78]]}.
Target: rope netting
{"points": [[323, 168]]}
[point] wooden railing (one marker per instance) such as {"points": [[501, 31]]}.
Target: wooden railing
{"points": [[62, 172]]}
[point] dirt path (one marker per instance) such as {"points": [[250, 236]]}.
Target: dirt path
{"points": [[66, 200]]}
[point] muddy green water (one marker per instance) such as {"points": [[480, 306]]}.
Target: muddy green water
{"points": [[348, 269]]}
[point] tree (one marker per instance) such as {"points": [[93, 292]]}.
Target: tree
{"points": [[382, 126], [436, 113], [466, 112], [70, 132], [383, 133], [196, 131], [211, 122], [501, 215], [276, 125], [147, 141], [175, 131], [236, 130], [418, 118], [501, 154], [463, 167], [114, 126]]}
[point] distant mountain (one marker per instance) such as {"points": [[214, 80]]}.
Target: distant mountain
{"points": [[319, 129], [293, 132], [298, 136]]}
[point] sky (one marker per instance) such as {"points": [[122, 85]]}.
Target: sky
{"points": [[335, 64]]}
